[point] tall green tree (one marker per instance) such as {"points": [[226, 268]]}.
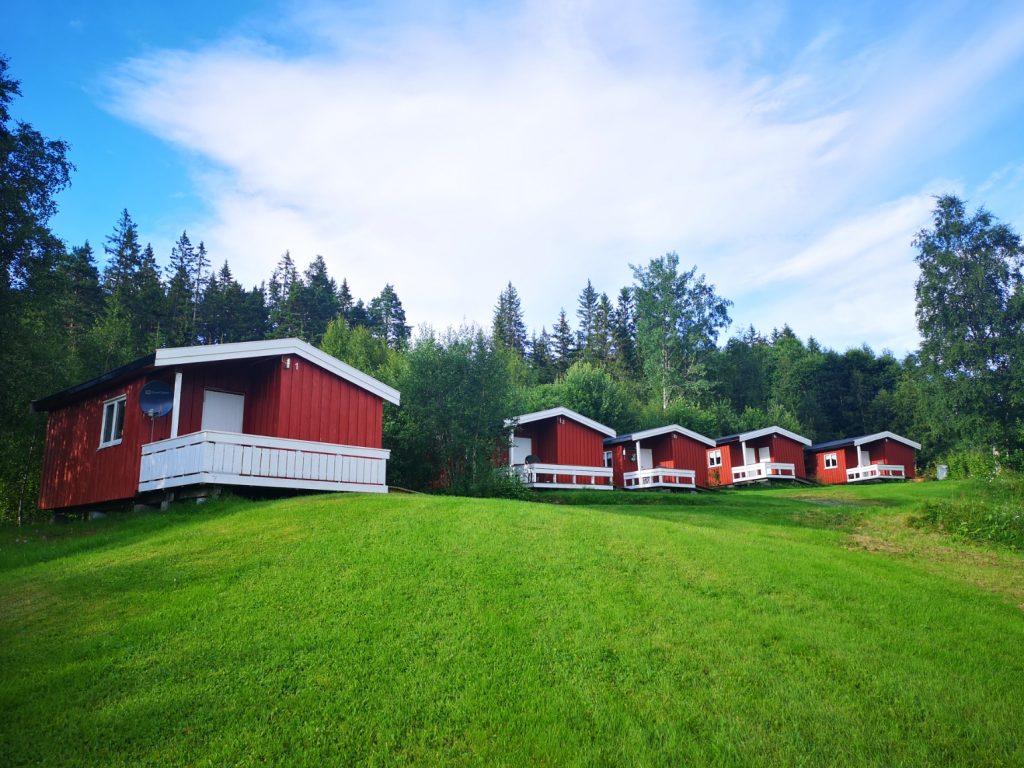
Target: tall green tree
{"points": [[318, 300], [508, 326], [678, 319], [387, 318], [456, 390], [563, 343], [970, 311]]}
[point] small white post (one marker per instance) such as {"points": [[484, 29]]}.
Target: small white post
{"points": [[177, 403]]}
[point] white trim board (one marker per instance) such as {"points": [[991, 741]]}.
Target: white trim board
{"points": [[882, 435], [744, 436], [243, 350], [527, 418], [655, 432]]}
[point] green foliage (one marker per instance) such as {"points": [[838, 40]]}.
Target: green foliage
{"points": [[970, 310], [971, 463], [508, 327], [590, 391], [678, 319], [988, 511], [358, 347], [456, 393]]}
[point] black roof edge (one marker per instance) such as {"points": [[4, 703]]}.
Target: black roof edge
{"points": [[618, 439], [841, 443], [65, 396]]}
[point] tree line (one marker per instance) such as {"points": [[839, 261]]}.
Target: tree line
{"points": [[645, 354]]}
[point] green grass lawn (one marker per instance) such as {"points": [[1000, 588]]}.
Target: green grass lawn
{"points": [[809, 626]]}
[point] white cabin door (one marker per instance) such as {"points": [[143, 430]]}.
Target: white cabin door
{"points": [[645, 459], [863, 457], [748, 455], [222, 411], [521, 448], [764, 453]]}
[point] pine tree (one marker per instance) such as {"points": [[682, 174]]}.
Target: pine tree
{"points": [[318, 301], [586, 311], [509, 330], [345, 302], [124, 254], [540, 357], [180, 295], [624, 334], [283, 299], [387, 318], [563, 344]]}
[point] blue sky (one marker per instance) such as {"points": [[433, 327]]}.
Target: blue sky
{"points": [[789, 150]]}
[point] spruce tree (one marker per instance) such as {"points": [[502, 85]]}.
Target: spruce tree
{"points": [[586, 312], [563, 344], [508, 327], [318, 300], [387, 318]]}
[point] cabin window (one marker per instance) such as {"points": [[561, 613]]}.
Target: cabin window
{"points": [[113, 421], [607, 458], [831, 461], [715, 458]]}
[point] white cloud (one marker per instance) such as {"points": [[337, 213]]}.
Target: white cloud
{"points": [[552, 144]]}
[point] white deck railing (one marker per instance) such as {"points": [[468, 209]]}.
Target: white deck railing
{"points": [[660, 477], [550, 476], [228, 458], [765, 470], [876, 472]]}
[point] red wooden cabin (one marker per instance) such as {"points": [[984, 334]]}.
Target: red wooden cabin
{"points": [[670, 457], [882, 456], [271, 414], [772, 453], [559, 448]]}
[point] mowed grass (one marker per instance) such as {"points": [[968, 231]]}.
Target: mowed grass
{"points": [[782, 627]]}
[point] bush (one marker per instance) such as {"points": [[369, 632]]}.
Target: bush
{"points": [[971, 464], [992, 512]]}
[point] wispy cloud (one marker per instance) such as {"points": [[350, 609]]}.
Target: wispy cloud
{"points": [[557, 142]]}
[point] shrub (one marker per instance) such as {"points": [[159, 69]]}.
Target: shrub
{"points": [[992, 512]]}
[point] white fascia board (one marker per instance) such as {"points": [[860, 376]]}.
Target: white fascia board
{"points": [[242, 350], [674, 428], [773, 431], [887, 434], [526, 418]]}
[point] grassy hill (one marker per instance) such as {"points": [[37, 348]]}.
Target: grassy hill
{"points": [[779, 627]]}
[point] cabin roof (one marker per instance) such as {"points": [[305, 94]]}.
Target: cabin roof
{"points": [[170, 357], [847, 442], [744, 436], [550, 413], [658, 431]]}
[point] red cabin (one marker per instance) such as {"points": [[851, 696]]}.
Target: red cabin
{"points": [[559, 448], [772, 453], [269, 414], [882, 456], [670, 457]]}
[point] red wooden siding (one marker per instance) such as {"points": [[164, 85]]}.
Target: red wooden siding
{"points": [[578, 445], [893, 452], [786, 451], [542, 440], [301, 402], [721, 475], [621, 464], [316, 405], [845, 458], [75, 470]]}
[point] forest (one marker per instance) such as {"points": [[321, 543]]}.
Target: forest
{"points": [[653, 352]]}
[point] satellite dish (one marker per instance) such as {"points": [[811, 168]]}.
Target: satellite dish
{"points": [[156, 399], [531, 459]]}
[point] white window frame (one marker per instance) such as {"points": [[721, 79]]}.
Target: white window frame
{"points": [[831, 461], [110, 421], [715, 458], [607, 458]]}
